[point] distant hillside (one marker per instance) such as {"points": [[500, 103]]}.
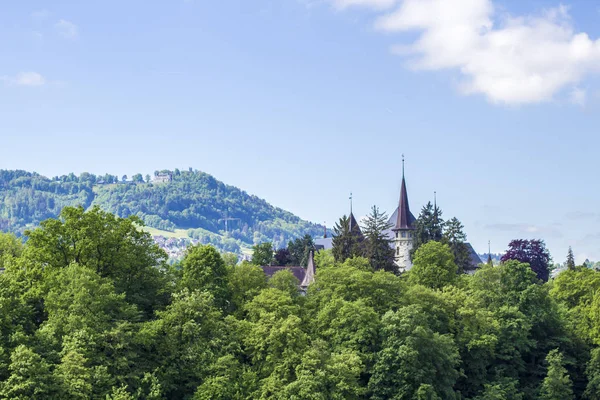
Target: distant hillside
{"points": [[171, 201]]}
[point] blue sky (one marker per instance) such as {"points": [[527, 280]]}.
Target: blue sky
{"points": [[495, 104]]}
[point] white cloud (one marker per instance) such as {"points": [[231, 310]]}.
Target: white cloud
{"points": [[67, 29], [25, 79], [376, 4], [508, 59]]}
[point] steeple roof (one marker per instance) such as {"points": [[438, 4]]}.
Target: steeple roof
{"points": [[309, 276], [353, 224], [404, 218]]}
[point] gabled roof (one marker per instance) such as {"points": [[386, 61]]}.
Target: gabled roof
{"points": [[298, 272], [404, 218], [473, 257], [305, 276]]}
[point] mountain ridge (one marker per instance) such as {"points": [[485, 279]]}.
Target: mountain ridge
{"points": [[189, 200]]}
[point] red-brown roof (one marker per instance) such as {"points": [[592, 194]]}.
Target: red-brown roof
{"points": [[404, 219], [298, 272]]}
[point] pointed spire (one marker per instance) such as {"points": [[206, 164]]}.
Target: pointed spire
{"points": [[309, 276], [489, 260], [350, 202], [325, 228], [404, 219]]}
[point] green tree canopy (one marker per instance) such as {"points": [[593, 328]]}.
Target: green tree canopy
{"points": [[557, 385], [433, 266], [262, 254]]}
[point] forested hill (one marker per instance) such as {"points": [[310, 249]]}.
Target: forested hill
{"points": [[171, 200]]}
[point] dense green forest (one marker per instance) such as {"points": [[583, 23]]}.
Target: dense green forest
{"points": [[190, 200], [89, 309]]}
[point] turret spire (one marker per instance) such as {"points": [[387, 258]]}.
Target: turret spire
{"points": [[404, 219], [489, 260]]}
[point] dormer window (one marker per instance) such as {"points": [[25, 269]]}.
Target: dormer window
{"points": [[403, 234]]}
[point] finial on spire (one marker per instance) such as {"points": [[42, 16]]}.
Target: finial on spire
{"points": [[402, 165], [325, 228], [350, 202]]}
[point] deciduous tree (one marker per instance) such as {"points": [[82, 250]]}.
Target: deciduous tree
{"points": [[433, 266], [533, 252], [262, 254], [557, 385]]}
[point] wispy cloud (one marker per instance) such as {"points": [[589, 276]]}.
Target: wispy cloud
{"points": [[24, 79], [67, 29], [529, 230], [41, 14], [510, 59], [578, 97], [581, 215]]}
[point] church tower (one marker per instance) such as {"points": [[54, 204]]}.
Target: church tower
{"points": [[404, 230]]}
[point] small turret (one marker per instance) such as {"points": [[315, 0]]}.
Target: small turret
{"points": [[403, 229]]}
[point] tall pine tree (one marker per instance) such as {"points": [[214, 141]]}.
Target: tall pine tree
{"points": [[455, 237], [429, 226], [570, 260], [347, 240], [378, 246]]}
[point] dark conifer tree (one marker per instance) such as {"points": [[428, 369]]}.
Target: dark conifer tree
{"points": [[346, 241], [299, 250], [570, 259], [455, 237], [377, 245], [429, 226]]}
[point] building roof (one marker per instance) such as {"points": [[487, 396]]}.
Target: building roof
{"points": [[403, 217], [305, 276], [475, 260], [309, 276], [353, 224], [298, 272]]}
